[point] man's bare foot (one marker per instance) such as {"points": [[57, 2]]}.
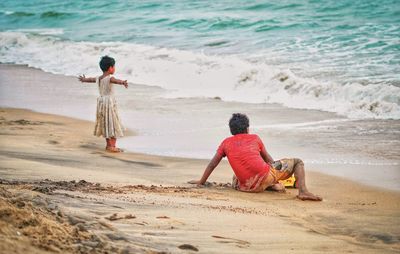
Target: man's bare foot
{"points": [[309, 196]]}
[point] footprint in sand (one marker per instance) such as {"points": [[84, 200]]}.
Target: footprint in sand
{"points": [[116, 217], [187, 247], [238, 242], [162, 217]]}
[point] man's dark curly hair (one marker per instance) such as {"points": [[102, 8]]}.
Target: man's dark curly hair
{"points": [[238, 123], [106, 62]]}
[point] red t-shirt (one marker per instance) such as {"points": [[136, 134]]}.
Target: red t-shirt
{"points": [[243, 152]]}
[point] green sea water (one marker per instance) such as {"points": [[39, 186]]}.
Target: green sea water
{"points": [[342, 41]]}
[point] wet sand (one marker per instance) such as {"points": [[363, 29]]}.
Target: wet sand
{"points": [[61, 193], [194, 127]]}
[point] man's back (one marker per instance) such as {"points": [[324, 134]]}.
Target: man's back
{"points": [[243, 153]]}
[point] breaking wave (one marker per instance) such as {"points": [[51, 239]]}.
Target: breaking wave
{"points": [[192, 74]]}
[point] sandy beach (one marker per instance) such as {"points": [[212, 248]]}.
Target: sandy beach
{"points": [[319, 81], [60, 193], [194, 127]]}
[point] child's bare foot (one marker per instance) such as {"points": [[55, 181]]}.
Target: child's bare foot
{"points": [[112, 149], [308, 196]]}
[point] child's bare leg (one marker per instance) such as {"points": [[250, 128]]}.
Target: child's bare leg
{"points": [[299, 173], [112, 148], [108, 141]]}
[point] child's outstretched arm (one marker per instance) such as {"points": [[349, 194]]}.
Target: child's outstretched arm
{"points": [[82, 78], [119, 82], [210, 168]]}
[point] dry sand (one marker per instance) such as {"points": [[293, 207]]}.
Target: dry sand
{"points": [[61, 193]]}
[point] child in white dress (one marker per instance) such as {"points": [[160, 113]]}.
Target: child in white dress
{"points": [[108, 123]]}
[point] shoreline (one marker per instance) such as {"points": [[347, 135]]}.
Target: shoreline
{"points": [[96, 143], [328, 143], [240, 77], [155, 210]]}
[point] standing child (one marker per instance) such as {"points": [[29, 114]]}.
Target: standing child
{"points": [[108, 123]]}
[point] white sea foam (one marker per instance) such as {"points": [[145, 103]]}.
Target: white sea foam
{"points": [[42, 31], [188, 74], [309, 125], [351, 162]]}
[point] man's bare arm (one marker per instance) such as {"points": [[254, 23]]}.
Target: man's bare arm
{"points": [[266, 156], [210, 168], [82, 78]]}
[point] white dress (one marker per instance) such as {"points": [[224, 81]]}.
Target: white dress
{"points": [[108, 123]]}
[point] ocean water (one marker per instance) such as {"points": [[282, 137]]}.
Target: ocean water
{"points": [[339, 56]]}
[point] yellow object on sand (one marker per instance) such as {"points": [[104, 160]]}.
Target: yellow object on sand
{"points": [[290, 182]]}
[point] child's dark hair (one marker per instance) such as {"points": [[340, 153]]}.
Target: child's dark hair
{"points": [[106, 62], [238, 123]]}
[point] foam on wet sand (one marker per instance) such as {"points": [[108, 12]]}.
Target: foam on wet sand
{"points": [[136, 203]]}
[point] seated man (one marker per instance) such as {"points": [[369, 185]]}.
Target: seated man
{"points": [[254, 168]]}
